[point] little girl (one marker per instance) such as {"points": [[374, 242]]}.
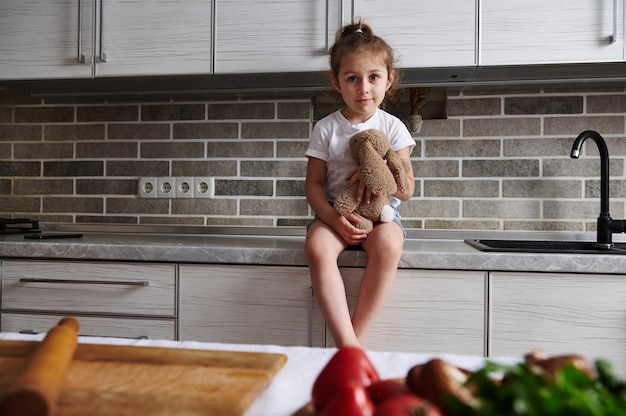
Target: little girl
{"points": [[362, 72]]}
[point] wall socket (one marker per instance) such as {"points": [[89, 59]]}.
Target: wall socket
{"points": [[166, 187], [176, 187], [185, 187], [148, 187], [204, 187]]}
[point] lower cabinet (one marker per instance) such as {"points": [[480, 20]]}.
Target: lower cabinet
{"points": [[428, 311], [432, 311], [248, 304], [560, 313], [93, 326], [117, 299]]}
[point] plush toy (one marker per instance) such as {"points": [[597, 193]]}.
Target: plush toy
{"points": [[382, 171]]}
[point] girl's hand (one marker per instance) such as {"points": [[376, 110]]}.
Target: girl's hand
{"points": [[348, 232], [363, 193]]}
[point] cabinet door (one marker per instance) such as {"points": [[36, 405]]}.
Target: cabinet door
{"points": [[93, 326], [153, 38], [274, 36], [247, 304], [40, 39], [559, 313], [545, 32], [427, 311], [424, 33], [109, 288]]}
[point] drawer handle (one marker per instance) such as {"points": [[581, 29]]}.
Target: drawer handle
{"points": [[142, 283], [613, 37], [33, 332]]}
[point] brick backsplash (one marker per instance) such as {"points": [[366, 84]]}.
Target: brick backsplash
{"points": [[497, 160]]}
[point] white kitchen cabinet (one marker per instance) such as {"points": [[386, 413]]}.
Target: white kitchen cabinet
{"points": [[153, 38], [424, 33], [427, 311], [106, 296], [248, 304], [40, 40], [559, 313], [135, 328], [296, 34], [548, 32], [274, 36]]}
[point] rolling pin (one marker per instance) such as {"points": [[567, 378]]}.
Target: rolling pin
{"points": [[37, 389]]}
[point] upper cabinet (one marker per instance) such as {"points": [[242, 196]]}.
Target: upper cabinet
{"points": [[86, 38], [547, 32], [294, 35], [145, 37], [47, 39], [424, 33], [274, 36]]}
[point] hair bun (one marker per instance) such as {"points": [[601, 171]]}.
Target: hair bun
{"points": [[356, 28]]}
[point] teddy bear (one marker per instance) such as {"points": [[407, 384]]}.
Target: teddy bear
{"points": [[382, 171]]}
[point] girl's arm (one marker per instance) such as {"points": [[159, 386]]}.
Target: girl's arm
{"points": [[314, 190], [406, 194]]}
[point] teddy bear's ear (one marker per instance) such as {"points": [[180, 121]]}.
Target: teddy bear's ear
{"points": [[398, 168]]}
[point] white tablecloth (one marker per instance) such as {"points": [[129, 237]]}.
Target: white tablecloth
{"points": [[291, 388]]}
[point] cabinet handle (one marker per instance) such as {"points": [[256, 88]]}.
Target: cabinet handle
{"points": [[327, 25], [103, 55], [33, 332], [141, 283], [213, 34], [340, 14], [352, 11], [115, 336], [326, 28], [613, 37], [81, 56]]}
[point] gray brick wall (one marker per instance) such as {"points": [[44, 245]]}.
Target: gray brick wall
{"points": [[499, 161]]}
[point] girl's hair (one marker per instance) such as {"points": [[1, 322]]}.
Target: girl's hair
{"points": [[359, 37]]}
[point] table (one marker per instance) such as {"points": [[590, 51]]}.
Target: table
{"points": [[291, 388]]}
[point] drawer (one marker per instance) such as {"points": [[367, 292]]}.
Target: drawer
{"points": [[89, 287], [93, 326]]}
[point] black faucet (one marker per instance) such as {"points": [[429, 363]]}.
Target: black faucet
{"points": [[606, 225]]}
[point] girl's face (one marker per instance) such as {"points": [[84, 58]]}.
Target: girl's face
{"points": [[362, 81]]}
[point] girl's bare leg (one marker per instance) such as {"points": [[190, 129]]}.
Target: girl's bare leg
{"points": [[384, 249], [322, 248]]}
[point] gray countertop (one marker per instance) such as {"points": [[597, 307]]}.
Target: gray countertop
{"points": [[288, 249]]}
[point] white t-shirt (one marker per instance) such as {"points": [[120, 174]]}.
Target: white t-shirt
{"points": [[329, 142]]}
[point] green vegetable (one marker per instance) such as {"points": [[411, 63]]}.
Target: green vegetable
{"points": [[523, 390]]}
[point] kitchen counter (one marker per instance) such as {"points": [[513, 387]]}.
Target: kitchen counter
{"points": [[291, 387], [427, 253], [421, 252]]}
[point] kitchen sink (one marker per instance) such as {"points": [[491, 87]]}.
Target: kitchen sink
{"points": [[544, 246]]}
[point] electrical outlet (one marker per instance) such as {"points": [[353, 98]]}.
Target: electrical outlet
{"points": [[204, 187], [185, 187], [148, 187], [166, 187]]}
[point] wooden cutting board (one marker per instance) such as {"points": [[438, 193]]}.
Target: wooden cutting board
{"points": [[125, 380]]}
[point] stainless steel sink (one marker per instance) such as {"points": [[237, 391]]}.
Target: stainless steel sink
{"points": [[544, 246]]}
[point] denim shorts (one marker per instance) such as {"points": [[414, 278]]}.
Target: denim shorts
{"points": [[396, 219]]}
